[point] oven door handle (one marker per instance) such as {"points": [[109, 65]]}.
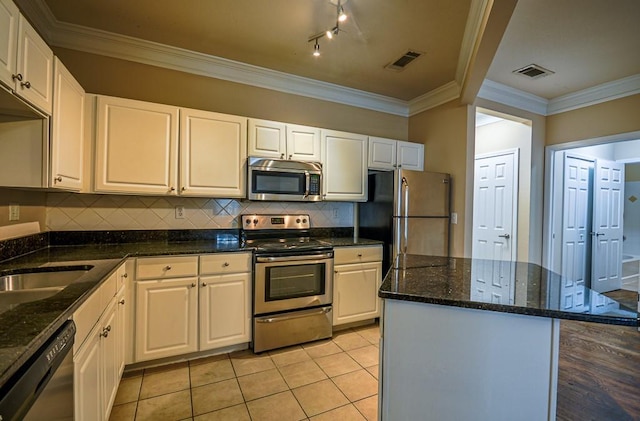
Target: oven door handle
{"points": [[279, 318], [261, 259]]}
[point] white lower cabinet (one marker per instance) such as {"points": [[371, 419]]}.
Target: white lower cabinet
{"points": [[166, 317], [207, 307], [357, 278], [225, 310], [98, 352]]}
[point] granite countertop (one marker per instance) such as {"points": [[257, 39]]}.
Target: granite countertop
{"points": [[25, 328], [530, 290]]}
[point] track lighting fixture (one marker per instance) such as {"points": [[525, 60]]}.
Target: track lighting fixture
{"points": [[330, 33]]}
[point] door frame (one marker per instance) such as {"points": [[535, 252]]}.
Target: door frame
{"points": [[554, 163], [515, 152]]}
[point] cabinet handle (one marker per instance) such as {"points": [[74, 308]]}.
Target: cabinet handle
{"points": [[359, 254], [108, 328], [125, 276], [26, 84], [121, 301], [59, 179], [204, 284], [183, 189], [104, 334], [172, 189], [290, 156], [17, 77], [281, 156], [225, 264], [193, 285], [335, 271], [167, 268]]}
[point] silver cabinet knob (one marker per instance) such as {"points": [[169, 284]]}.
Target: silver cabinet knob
{"points": [[359, 254], [183, 189], [281, 156], [167, 267], [290, 157], [193, 285], [204, 284], [121, 301], [125, 275], [59, 179], [172, 188], [17, 77], [225, 264], [26, 84]]}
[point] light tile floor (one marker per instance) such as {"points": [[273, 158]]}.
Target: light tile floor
{"points": [[334, 379]]}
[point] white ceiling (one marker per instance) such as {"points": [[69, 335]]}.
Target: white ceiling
{"points": [[585, 42]]}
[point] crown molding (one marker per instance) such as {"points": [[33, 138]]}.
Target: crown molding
{"points": [[432, 99], [472, 30], [595, 95], [497, 92]]}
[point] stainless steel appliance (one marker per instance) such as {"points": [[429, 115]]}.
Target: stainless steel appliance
{"points": [[43, 389], [284, 180], [293, 281], [409, 211]]}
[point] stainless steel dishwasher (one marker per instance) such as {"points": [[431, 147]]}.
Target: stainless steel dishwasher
{"points": [[43, 388]]}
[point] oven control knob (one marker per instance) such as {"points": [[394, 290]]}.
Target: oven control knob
{"points": [[298, 221], [255, 222], [247, 221], [304, 221]]}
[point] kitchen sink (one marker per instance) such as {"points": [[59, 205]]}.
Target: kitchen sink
{"points": [[33, 284]]}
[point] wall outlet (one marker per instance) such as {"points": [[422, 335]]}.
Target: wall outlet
{"points": [[454, 217], [179, 212], [14, 212]]}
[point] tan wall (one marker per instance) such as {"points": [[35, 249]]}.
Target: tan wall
{"points": [[32, 206], [109, 76], [443, 130], [632, 172], [600, 120]]}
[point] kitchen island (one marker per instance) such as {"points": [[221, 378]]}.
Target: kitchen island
{"points": [[466, 339]]}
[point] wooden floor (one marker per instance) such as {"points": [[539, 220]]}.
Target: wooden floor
{"points": [[626, 298], [599, 371]]}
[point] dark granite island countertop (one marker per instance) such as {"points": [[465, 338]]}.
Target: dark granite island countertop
{"points": [[524, 288], [488, 331]]}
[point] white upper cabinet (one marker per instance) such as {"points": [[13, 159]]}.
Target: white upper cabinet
{"points": [[271, 139], [9, 17], [34, 79], [136, 147], [388, 154], [67, 128], [344, 160], [411, 155], [26, 61], [213, 150]]}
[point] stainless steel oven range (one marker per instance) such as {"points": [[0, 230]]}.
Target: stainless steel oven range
{"points": [[293, 281]]}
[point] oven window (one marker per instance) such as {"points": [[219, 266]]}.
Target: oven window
{"points": [[273, 182], [283, 282]]}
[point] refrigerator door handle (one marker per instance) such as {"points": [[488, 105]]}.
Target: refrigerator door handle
{"points": [[405, 231]]}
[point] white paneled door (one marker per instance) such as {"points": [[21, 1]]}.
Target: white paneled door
{"points": [[494, 222], [576, 226], [608, 193]]}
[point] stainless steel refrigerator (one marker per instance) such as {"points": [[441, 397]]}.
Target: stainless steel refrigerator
{"points": [[409, 211]]}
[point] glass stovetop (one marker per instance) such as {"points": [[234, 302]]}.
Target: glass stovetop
{"points": [[287, 244]]}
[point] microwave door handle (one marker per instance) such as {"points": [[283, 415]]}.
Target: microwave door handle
{"points": [[307, 182]]}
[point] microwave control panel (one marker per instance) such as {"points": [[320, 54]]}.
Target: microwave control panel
{"points": [[314, 184]]}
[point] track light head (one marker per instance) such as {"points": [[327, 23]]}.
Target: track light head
{"points": [[316, 49], [342, 16]]}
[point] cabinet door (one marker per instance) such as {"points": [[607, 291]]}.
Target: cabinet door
{"points": [[303, 143], [225, 310], [121, 329], [109, 356], [355, 292], [35, 64], [411, 156], [87, 379], [213, 154], [382, 153], [344, 158], [67, 128], [267, 139], [166, 318], [136, 147], [9, 16]]}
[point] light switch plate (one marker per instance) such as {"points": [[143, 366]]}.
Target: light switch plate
{"points": [[14, 212], [179, 212]]}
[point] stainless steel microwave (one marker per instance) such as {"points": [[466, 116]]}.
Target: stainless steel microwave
{"points": [[284, 180]]}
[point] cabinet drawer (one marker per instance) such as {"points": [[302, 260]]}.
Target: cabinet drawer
{"points": [[108, 290], [90, 311], [345, 255], [166, 267], [225, 263]]}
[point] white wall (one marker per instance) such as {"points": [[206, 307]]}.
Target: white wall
{"points": [[507, 134], [92, 212]]}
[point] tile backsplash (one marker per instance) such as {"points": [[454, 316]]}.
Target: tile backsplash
{"points": [[87, 212]]}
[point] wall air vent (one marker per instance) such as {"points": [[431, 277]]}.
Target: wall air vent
{"points": [[402, 62], [534, 71]]}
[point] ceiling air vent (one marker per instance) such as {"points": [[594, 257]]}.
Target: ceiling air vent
{"points": [[533, 71], [402, 62]]}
